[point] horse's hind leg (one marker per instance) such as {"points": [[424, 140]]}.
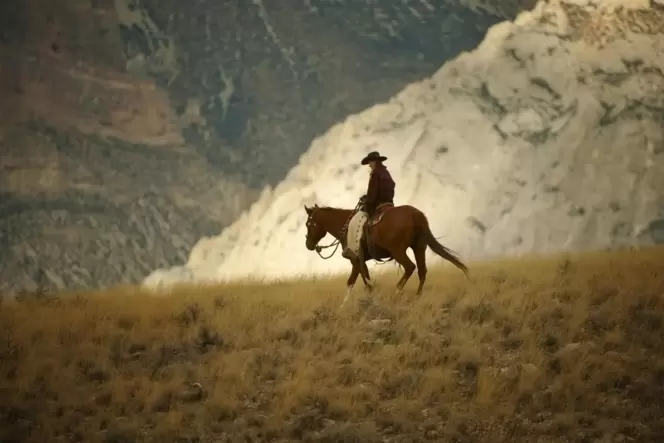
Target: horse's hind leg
{"points": [[420, 260], [408, 267]]}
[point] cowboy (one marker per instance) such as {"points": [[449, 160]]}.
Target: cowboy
{"points": [[381, 186], [380, 192]]}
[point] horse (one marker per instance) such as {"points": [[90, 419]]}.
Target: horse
{"points": [[392, 232]]}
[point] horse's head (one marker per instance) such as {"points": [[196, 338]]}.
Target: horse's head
{"points": [[315, 232]]}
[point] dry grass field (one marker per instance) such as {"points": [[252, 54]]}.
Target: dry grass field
{"points": [[564, 349]]}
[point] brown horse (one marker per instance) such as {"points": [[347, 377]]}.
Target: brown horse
{"points": [[398, 228]]}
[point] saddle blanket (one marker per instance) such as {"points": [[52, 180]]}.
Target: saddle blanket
{"points": [[354, 234]]}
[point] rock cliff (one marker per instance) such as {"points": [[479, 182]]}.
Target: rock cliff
{"points": [[546, 137], [130, 128]]}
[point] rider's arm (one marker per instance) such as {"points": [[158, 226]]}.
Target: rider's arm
{"points": [[372, 190]]}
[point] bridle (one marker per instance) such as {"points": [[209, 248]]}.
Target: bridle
{"points": [[319, 249], [337, 241]]}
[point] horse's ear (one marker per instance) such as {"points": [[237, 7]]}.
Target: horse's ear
{"points": [[307, 209], [316, 206]]}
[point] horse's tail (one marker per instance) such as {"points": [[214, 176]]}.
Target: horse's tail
{"points": [[436, 247]]}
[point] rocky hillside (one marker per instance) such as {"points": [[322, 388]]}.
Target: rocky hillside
{"points": [[97, 185], [546, 137], [131, 128]]}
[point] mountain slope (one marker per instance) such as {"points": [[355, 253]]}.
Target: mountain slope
{"points": [[548, 136], [131, 128], [561, 349]]}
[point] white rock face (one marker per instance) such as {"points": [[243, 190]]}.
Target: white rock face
{"points": [[548, 137]]}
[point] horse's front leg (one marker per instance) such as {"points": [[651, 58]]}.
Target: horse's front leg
{"points": [[364, 272], [352, 278]]}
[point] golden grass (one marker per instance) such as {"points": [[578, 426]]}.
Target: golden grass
{"points": [[537, 350]]}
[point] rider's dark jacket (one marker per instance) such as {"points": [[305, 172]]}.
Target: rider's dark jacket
{"points": [[380, 190]]}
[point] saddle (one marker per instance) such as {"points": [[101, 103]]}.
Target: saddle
{"points": [[378, 215], [370, 224]]}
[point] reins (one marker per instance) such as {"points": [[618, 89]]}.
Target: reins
{"points": [[335, 243]]}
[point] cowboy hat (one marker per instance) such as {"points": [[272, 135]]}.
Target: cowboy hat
{"points": [[373, 156]]}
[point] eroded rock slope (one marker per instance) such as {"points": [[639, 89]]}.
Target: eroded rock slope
{"points": [[265, 78], [547, 137]]}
